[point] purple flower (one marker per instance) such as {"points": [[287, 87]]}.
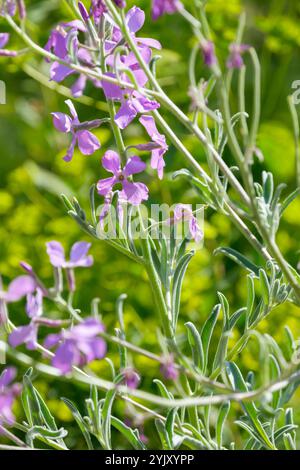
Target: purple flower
{"points": [[209, 55], [168, 369], [77, 346], [8, 7], [8, 393], [131, 378], [133, 193], [87, 142], [132, 102], [83, 11], [183, 212], [161, 7], [235, 60], [28, 334], [17, 289], [78, 255], [4, 38], [21, 9], [158, 145]]}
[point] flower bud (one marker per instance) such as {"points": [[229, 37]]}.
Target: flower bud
{"points": [[21, 9], [83, 11]]}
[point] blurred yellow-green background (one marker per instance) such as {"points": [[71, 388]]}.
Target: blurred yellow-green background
{"points": [[33, 175]]}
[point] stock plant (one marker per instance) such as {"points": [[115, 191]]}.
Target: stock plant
{"points": [[202, 386]]}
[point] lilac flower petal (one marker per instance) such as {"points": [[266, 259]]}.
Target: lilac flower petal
{"points": [[104, 186], [7, 376], [111, 91], [133, 166], [62, 122], [72, 110], [135, 193], [4, 38], [135, 19], [65, 357], [20, 287], [56, 254], [52, 340], [87, 142], [59, 72], [158, 163], [149, 42], [79, 252], [111, 162], [89, 328], [125, 115], [79, 86], [6, 414], [142, 104], [75, 24], [70, 152], [23, 334]]}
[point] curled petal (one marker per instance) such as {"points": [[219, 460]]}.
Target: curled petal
{"points": [[66, 355], [135, 193], [70, 152], [125, 115], [62, 122], [79, 86], [59, 72], [4, 38], [24, 335], [111, 91], [7, 376]]}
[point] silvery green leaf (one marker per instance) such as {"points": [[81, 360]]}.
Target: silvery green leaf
{"points": [[131, 435], [195, 341], [177, 282], [42, 432], [170, 422], [239, 259], [163, 389], [80, 421], [207, 332], [268, 186], [289, 442], [237, 382], [289, 200], [162, 432], [222, 416]]}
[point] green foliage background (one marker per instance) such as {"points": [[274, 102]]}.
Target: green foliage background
{"points": [[33, 174]]}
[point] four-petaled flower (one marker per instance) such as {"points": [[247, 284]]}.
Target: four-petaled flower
{"points": [[8, 393], [235, 60], [131, 378], [161, 7], [77, 346], [133, 193], [87, 142]]}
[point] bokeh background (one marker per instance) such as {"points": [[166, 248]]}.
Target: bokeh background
{"points": [[33, 175]]}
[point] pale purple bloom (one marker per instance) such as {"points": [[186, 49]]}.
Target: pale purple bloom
{"points": [[8, 7], [77, 346], [183, 212], [169, 369], [78, 256], [161, 7], [235, 60], [160, 146], [209, 55], [8, 393], [4, 38], [132, 102], [131, 378], [86, 141], [28, 334], [133, 193]]}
